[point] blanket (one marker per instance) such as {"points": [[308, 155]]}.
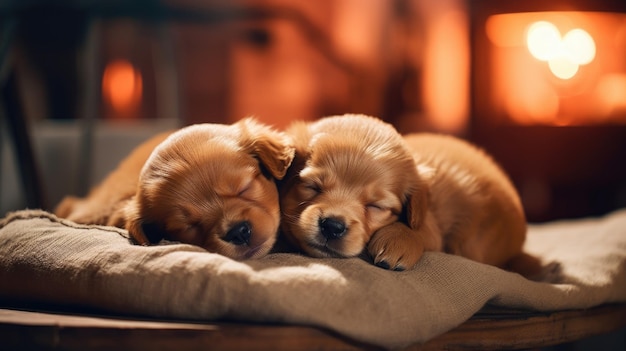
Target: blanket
{"points": [[45, 259]]}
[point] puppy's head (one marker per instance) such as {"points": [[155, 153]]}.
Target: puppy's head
{"points": [[213, 186], [352, 175]]}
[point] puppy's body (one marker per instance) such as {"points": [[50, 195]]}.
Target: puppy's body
{"points": [[356, 184], [477, 209], [104, 204], [209, 185]]}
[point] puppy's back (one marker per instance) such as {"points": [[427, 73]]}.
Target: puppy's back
{"points": [[455, 157], [105, 199], [476, 205]]}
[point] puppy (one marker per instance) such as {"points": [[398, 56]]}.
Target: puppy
{"points": [[356, 184], [209, 185]]}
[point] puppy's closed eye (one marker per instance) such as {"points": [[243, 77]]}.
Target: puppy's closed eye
{"points": [[375, 209], [309, 190], [242, 193]]}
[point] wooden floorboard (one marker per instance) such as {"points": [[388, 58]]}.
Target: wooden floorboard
{"points": [[490, 329]]}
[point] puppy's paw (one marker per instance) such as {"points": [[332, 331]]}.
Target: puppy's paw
{"points": [[66, 206], [395, 247]]}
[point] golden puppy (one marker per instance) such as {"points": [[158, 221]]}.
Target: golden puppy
{"points": [[355, 183], [209, 185]]}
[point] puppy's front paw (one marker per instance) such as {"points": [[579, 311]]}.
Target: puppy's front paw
{"points": [[66, 206], [395, 247]]}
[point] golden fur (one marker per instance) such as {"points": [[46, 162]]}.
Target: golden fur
{"points": [[477, 210], [356, 184], [209, 185]]}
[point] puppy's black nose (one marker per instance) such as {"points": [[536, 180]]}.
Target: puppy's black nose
{"points": [[239, 234], [332, 228]]}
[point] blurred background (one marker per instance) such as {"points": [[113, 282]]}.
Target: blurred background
{"points": [[541, 85]]}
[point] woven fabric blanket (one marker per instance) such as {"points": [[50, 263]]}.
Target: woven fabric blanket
{"points": [[48, 260]]}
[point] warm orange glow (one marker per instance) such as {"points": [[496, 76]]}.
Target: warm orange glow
{"points": [[564, 55], [446, 71], [543, 40], [558, 68], [122, 87], [579, 46], [563, 68], [611, 92]]}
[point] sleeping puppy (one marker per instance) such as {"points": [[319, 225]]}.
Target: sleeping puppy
{"points": [[209, 185], [356, 184]]}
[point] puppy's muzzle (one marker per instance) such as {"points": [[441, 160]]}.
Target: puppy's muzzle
{"points": [[332, 228], [239, 234]]}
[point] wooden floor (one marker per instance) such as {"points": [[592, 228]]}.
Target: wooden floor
{"points": [[490, 329]]}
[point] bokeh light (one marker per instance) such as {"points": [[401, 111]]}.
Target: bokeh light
{"points": [[543, 40], [563, 54], [579, 46], [122, 86]]}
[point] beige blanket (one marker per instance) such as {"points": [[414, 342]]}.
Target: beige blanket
{"points": [[45, 259]]}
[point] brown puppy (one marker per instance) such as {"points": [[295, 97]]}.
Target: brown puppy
{"points": [[209, 185], [355, 184]]}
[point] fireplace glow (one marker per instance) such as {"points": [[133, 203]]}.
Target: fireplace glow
{"points": [[564, 54], [556, 68], [122, 88]]}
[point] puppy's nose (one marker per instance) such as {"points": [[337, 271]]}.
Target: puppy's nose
{"points": [[239, 234], [332, 228]]}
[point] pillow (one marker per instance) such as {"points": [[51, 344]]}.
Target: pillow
{"points": [[45, 259]]}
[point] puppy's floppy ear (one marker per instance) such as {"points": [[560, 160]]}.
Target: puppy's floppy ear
{"points": [[144, 233], [418, 214], [417, 205], [418, 201], [274, 149], [133, 222]]}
